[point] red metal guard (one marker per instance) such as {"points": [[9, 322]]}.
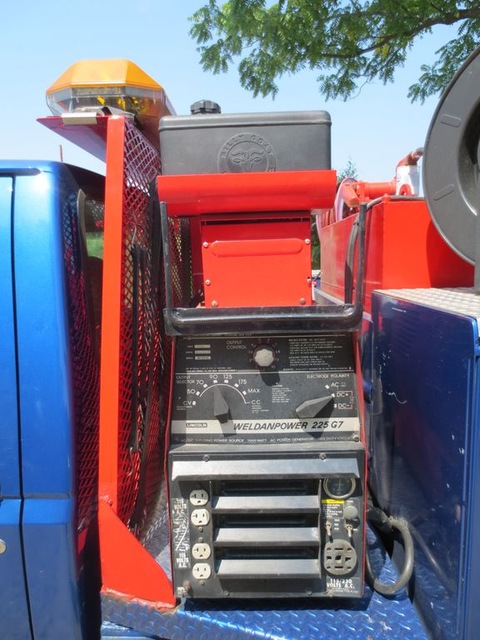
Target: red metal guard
{"points": [[190, 195], [250, 234], [134, 371]]}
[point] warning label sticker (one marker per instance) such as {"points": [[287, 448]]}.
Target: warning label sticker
{"points": [[180, 533]]}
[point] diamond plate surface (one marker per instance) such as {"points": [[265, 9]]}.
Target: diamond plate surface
{"points": [[372, 617], [462, 300]]}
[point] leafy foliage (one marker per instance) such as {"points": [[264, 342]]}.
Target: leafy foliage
{"points": [[350, 42], [350, 171]]}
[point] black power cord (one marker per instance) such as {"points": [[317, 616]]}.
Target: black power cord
{"points": [[389, 525]]}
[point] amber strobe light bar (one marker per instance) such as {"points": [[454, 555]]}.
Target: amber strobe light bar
{"points": [[115, 84]]}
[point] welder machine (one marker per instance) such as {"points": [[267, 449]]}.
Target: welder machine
{"points": [[266, 452]]}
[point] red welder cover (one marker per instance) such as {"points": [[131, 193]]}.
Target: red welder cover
{"points": [[262, 263]]}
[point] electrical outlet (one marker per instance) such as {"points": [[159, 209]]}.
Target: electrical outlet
{"points": [[198, 497], [200, 517], [201, 551], [201, 571], [339, 557]]}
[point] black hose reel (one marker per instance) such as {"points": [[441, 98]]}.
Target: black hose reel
{"points": [[451, 162]]}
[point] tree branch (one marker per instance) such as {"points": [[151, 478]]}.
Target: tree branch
{"points": [[349, 41], [407, 34]]}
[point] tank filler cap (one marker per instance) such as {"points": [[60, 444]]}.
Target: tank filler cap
{"points": [[205, 106]]}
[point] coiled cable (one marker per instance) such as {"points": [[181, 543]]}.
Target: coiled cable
{"points": [[388, 524]]}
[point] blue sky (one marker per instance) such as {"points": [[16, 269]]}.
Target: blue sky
{"points": [[40, 40]]}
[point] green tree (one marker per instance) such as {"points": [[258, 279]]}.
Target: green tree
{"points": [[349, 42], [350, 171]]}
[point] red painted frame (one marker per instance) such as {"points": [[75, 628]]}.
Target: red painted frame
{"points": [[127, 568]]}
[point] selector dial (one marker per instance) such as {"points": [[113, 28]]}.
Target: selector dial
{"points": [[264, 355], [220, 406], [311, 408]]}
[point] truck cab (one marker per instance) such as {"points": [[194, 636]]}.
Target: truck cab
{"points": [[48, 397]]}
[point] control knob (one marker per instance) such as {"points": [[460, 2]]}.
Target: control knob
{"points": [[220, 406], [311, 408], [264, 355]]}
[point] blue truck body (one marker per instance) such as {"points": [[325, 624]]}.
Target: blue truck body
{"points": [[42, 572]]}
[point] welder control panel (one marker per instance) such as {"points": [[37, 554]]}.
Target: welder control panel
{"points": [[272, 389]]}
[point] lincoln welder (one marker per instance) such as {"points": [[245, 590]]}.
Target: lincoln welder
{"points": [[190, 415], [267, 458]]}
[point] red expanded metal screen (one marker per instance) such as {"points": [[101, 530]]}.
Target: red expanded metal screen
{"points": [[84, 362], [144, 354], [181, 268]]}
